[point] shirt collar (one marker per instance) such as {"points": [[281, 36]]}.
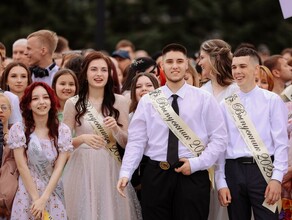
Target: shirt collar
{"points": [[250, 92], [181, 92]]}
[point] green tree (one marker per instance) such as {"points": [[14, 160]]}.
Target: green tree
{"points": [[149, 24]]}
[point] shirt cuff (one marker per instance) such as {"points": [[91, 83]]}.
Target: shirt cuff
{"points": [[221, 184], [277, 175], [125, 174], [195, 164]]}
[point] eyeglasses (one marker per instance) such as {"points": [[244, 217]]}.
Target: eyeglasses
{"points": [[4, 107]]}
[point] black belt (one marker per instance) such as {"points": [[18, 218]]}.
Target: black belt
{"points": [[248, 160], [164, 165]]}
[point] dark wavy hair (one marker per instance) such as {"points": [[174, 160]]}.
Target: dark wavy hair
{"points": [[52, 123], [107, 107]]}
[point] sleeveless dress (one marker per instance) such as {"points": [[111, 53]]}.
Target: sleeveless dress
{"points": [[22, 201], [90, 179]]}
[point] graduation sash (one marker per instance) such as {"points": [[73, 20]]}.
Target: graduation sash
{"points": [[180, 129], [175, 123], [95, 119], [252, 139]]}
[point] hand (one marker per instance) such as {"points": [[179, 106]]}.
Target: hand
{"points": [[111, 123], [224, 196], [37, 208], [93, 140], [185, 169], [273, 192], [122, 183]]}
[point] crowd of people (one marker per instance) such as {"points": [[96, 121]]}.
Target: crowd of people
{"points": [[124, 135]]}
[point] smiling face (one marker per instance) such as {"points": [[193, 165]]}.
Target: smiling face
{"points": [[143, 86], [65, 87], [205, 64], [97, 73], [243, 71], [40, 101], [17, 79], [175, 65]]}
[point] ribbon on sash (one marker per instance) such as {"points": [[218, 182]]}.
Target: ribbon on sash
{"points": [[42, 166], [178, 126], [252, 139], [95, 120]]}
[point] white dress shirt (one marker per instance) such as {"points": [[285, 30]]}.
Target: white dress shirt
{"points": [[148, 133], [270, 117]]}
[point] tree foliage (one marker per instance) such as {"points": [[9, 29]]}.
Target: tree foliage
{"points": [[149, 24]]}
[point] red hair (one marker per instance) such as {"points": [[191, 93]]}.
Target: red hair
{"points": [[162, 77], [52, 123]]}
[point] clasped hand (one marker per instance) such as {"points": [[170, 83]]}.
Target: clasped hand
{"points": [[37, 208], [94, 140]]}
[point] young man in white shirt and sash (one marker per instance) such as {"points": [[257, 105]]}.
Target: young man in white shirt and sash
{"points": [[249, 175], [182, 130]]}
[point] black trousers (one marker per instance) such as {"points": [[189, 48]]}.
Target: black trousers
{"points": [[167, 195], [247, 187]]}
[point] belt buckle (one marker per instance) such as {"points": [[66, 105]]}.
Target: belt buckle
{"points": [[164, 165]]}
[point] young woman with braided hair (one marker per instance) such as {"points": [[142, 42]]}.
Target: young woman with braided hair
{"points": [[215, 60]]}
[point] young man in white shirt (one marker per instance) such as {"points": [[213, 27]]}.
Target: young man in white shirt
{"points": [[241, 184], [173, 191], [40, 49]]}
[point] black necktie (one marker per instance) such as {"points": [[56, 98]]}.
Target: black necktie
{"points": [[172, 150]]}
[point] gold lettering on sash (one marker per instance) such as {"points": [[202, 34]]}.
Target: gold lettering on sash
{"points": [[92, 116], [252, 139], [175, 123], [183, 132]]}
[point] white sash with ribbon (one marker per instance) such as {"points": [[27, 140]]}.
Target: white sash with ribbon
{"points": [[252, 139], [41, 165], [175, 123], [181, 130], [96, 120]]}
